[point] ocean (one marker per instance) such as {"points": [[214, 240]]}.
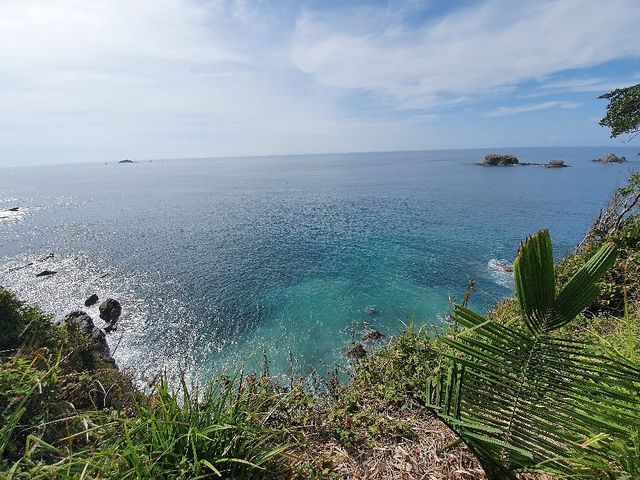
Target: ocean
{"points": [[219, 262]]}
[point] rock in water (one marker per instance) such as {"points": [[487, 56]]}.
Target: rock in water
{"points": [[14, 209], [45, 273], [371, 311], [91, 300], [110, 311], [356, 352], [372, 336], [500, 160], [556, 164], [611, 158], [126, 160]]}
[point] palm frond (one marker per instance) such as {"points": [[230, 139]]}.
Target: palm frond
{"points": [[535, 280], [522, 399]]}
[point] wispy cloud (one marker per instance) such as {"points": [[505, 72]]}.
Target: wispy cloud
{"points": [[592, 84], [472, 51], [533, 107]]}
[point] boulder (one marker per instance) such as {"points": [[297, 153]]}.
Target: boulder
{"points": [[556, 164], [499, 160], [91, 300], [14, 209], [611, 158], [372, 336], [356, 352], [45, 273], [110, 311]]}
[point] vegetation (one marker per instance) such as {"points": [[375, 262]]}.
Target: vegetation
{"points": [[623, 111], [68, 414], [520, 398]]}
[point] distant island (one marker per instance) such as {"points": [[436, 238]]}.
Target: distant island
{"points": [[508, 160], [126, 160], [610, 158]]}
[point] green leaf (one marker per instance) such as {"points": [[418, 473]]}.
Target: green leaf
{"points": [[581, 290], [535, 280]]}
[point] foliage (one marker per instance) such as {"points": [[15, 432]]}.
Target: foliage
{"points": [[392, 379], [65, 414], [619, 285], [185, 435], [20, 324], [519, 398], [623, 111]]}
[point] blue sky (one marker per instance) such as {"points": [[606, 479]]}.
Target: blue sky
{"points": [[111, 79]]}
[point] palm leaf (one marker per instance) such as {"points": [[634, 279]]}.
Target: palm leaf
{"points": [[581, 290], [522, 399], [535, 280]]}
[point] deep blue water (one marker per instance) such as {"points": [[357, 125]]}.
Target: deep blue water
{"points": [[217, 260]]}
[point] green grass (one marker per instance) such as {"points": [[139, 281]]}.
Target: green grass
{"points": [[66, 414]]}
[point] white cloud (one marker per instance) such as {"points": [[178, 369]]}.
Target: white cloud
{"points": [[106, 79], [534, 107], [473, 51]]}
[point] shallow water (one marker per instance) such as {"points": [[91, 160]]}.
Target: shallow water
{"points": [[217, 260]]}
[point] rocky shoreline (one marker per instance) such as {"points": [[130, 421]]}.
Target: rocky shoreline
{"points": [[96, 337]]}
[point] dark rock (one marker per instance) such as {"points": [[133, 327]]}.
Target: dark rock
{"points": [[356, 352], [45, 273], [97, 338], [500, 160], [91, 300], [83, 321], [372, 336], [556, 164], [110, 311], [48, 256], [14, 209], [611, 158], [126, 160], [371, 311]]}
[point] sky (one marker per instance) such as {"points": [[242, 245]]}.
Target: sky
{"points": [[103, 80]]}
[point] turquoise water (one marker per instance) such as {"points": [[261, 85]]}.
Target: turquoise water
{"points": [[218, 260]]}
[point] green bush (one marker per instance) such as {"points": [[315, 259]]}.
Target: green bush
{"points": [[21, 324]]}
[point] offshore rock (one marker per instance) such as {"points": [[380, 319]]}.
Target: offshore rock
{"points": [[45, 273], [556, 164], [110, 311], [610, 158], [500, 160], [91, 300]]}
